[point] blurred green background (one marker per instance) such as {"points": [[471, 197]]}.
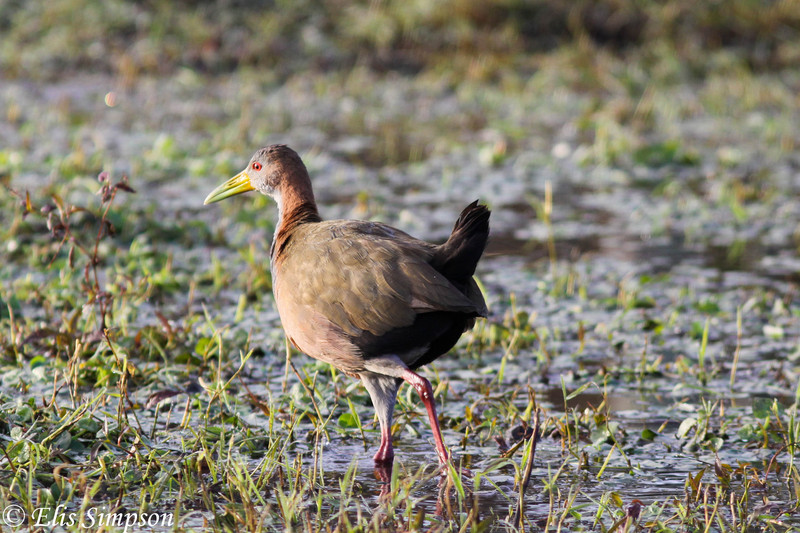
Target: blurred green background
{"points": [[461, 38]]}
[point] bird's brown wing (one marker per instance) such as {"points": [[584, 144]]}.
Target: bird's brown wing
{"points": [[365, 276]]}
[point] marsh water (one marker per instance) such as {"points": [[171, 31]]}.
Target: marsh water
{"points": [[619, 260]]}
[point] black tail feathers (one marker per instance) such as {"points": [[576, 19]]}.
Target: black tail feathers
{"points": [[458, 257]]}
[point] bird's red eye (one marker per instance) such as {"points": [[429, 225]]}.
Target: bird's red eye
{"points": [[256, 166]]}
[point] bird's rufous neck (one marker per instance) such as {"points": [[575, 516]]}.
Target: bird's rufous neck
{"points": [[296, 203], [296, 206]]}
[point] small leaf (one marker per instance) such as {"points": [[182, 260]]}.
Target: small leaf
{"points": [[762, 407], [696, 330], [88, 424], [201, 348], [24, 413], [708, 306], [649, 434], [644, 302], [578, 391], [617, 499], [214, 431], [347, 420], [722, 470], [685, 426], [654, 325]]}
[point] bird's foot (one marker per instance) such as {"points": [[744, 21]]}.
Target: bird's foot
{"points": [[385, 454], [383, 472]]}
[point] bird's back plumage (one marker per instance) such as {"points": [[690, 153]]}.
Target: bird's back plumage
{"points": [[379, 289]]}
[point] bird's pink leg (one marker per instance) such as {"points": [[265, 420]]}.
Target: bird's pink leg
{"points": [[385, 453], [425, 391], [383, 391]]}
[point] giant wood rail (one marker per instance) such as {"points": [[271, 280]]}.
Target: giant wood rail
{"points": [[365, 297]]}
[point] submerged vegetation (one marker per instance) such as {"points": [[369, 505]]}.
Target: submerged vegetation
{"points": [[640, 367]]}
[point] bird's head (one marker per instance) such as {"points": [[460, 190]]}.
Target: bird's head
{"points": [[264, 173]]}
